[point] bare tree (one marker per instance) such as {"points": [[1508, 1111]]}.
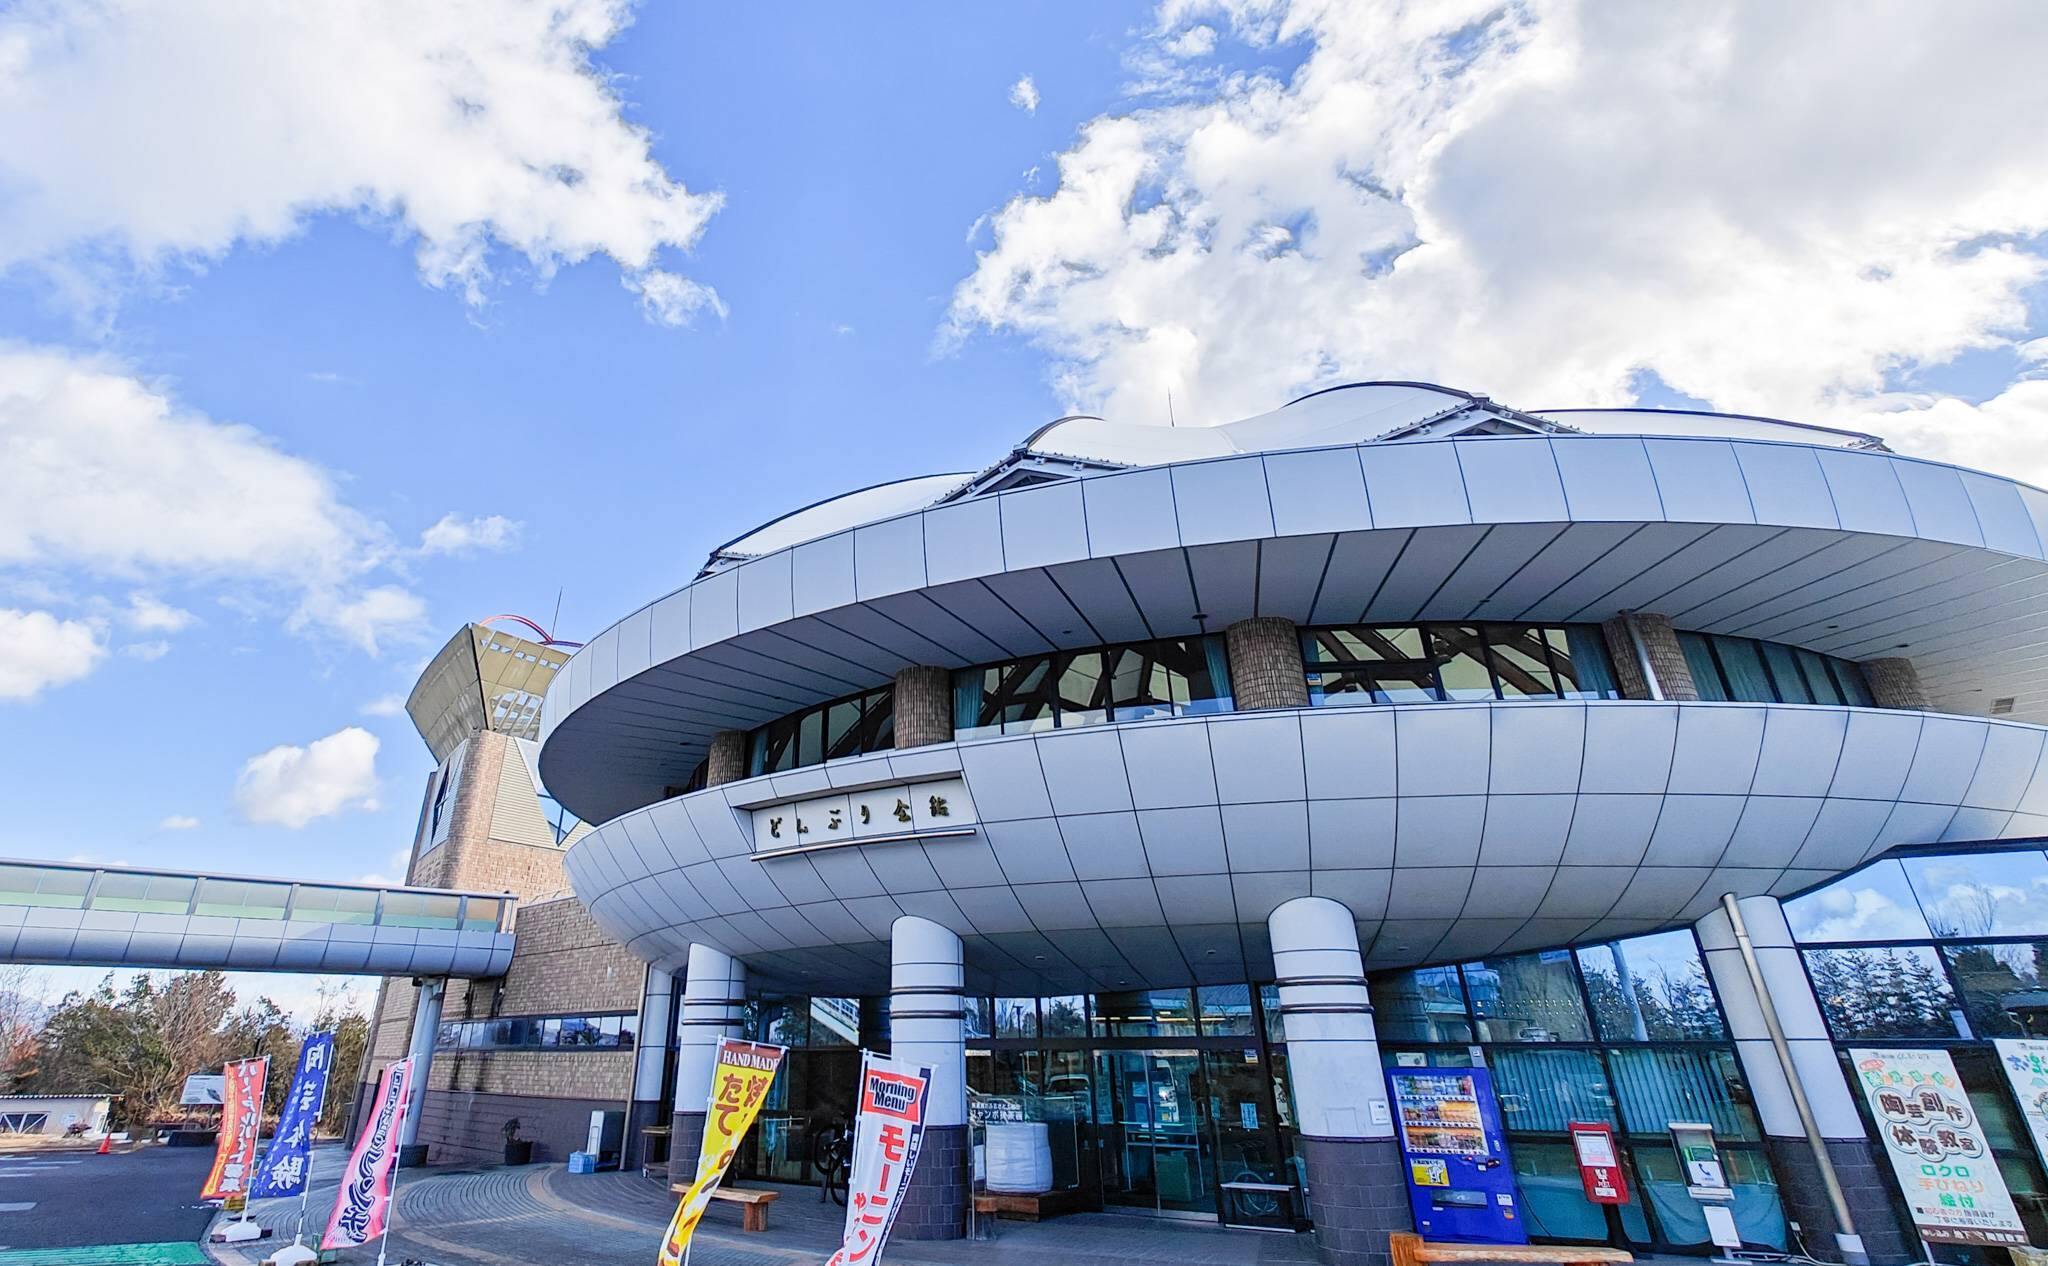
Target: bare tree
{"points": [[22, 1013]]}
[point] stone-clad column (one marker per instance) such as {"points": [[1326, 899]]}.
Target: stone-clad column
{"points": [[650, 1103], [1265, 664], [925, 982], [1864, 1176], [727, 760], [426, 1027], [1357, 1195], [1895, 683], [924, 706], [714, 991], [1667, 658]]}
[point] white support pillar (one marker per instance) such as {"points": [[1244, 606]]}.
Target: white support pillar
{"points": [[926, 978], [426, 1026], [1356, 1191], [714, 991], [1864, 1179], [649, 1104]]}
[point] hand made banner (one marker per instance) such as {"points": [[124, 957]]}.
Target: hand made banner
{"points": [[739, 1085]]}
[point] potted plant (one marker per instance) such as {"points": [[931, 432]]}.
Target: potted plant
{"points": [[518, 1151]]}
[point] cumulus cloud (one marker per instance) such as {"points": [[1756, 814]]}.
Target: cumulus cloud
{"points": [[454, 534], [38, 650], [135, 135], [178, 822], [1547, 201], [1024, 95], [290, 786], [146, 614], [103, 474]]}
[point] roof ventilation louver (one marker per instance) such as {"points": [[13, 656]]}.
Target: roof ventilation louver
{"points": [[2001, 707]]}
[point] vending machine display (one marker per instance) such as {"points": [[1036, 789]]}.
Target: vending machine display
{"points": [[1455, 1154]]}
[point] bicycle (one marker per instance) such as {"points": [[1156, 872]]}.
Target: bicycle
{"points": [[832, 1157]]}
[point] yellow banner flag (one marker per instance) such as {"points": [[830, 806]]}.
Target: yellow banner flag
{"points": [[739, 1085]]}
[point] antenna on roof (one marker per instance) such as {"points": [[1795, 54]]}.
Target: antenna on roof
{"points": [[556, 623], [1169, 408]]}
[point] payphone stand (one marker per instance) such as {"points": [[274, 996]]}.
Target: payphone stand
{"points": [[1706, 1181], [1455, 1156]]}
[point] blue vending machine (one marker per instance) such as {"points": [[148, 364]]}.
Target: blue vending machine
{"points": [[1460, 1183]]}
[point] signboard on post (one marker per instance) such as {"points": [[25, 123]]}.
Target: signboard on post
{"points": [[2025, 1062], [739, 1085], [1937, 1148], [1600, 1171], [886, 1137], [234, 1160], [203, 1090]]}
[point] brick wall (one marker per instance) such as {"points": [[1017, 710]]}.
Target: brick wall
{"points": [[924, 706], [1265, 664], [727, 760], [1895, 683], [1667, 658]]}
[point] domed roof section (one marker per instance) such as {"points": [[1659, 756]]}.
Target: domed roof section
{"points": [[836, 514], [1692, 423]]}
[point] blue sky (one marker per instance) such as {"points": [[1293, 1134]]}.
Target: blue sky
{"points": [[1232, 202]]}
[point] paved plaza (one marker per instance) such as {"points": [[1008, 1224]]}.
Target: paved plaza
{"points": [[542, 1214]]}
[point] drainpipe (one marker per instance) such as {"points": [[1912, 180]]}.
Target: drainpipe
{"points": [[1846, 1238]]}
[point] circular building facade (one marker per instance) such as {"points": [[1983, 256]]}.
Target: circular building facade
{"points": [[1390, 677]]}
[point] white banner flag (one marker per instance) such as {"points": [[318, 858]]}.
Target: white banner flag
{"points": [[1937, 1148], [886, 1137]]}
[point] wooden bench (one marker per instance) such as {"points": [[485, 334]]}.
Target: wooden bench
{"points": [[753, 1204], [1410, 1249]]}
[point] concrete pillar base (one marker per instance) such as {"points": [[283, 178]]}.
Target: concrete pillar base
{"points": [[935, 1203], [1358, 1196], [412, 1155], [1866, 1184]]}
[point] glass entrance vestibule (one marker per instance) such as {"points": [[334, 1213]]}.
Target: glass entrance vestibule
{"points": [[1177, 1102]]}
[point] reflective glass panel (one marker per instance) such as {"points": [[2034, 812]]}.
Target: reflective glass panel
{"points": [[1874, 904], [1083, 689], [1789, 682], [144, 894], [1982, 894], [1895, 992], [39, 886], [1144, 1013], [481, 914], [1528, 998], [1521, 660], [1650, 989], [1461, 662], [334, 905], [237, 899], [1016, 1017], [1544, 1089], [2001, 984], [1226, 1010], [1656, 1086], [835, 1022], [1064, 1016], [975, 1017], [420, 910], [1424, 1005]]}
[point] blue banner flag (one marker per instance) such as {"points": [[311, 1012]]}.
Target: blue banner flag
{"points": [[283, 1172]]}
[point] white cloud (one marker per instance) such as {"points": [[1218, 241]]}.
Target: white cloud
{"points": [[290, 786], [668, 299], [133, 135], [1024, 95], [147, 652], [454, 534], [97, 474], [384, 706], [178, 822], [146, 614], [393, 873], [1543, 201], [38, 650], [1196, 41]]}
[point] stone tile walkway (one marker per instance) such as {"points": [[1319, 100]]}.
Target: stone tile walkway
{"points": [[542, 1214]]}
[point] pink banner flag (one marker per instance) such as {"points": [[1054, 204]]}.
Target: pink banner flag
{"points": [[364, 1204]]}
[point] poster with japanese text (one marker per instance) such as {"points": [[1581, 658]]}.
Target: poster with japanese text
{"points": [[1937, 1147], [363, 1204], [2025, 1062], [241, 1117], [291, 1147], [887, 1135], [739, 1085]]}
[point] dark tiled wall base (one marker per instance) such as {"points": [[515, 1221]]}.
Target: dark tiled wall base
{"points": [[1866, 1184], [639, 1115], [1357, 1196], [935, 1203], [467, 1126], [684, 1142]]}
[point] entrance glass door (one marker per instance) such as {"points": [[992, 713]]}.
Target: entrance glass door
{"points": [[1159, 1150]]}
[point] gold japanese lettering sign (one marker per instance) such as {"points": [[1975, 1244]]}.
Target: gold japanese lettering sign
{"points": [[739, 1085]]}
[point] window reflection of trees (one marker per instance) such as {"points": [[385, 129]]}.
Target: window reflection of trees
{"points": [[1879, 993]]}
